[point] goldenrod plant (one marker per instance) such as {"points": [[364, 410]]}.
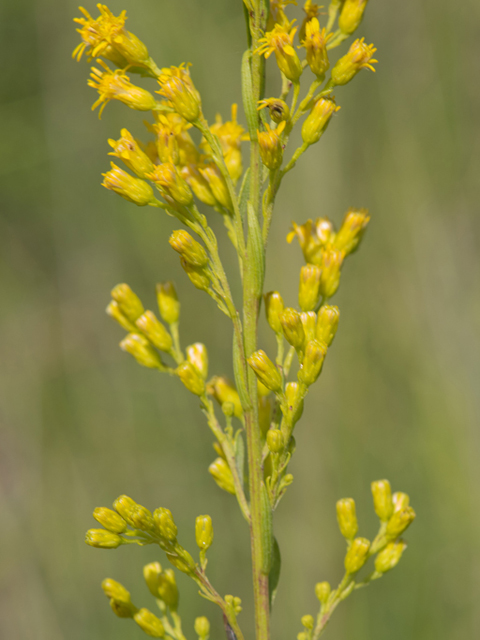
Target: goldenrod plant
{"points": [[193, 171]]}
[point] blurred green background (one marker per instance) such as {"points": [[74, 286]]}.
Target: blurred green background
{"points": [[399, 398]]}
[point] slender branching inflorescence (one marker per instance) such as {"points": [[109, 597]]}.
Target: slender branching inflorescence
{"points": [[188, 163]]}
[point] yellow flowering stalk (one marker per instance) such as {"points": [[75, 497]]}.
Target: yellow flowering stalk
{"points": [[197, 167]]}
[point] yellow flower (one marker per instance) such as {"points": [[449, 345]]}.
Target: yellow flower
{"points": [[198, 184], [313, 237], [315, 43], [106, 36], [280, 41], [174, 144], [277, 12], [271, 148], [133, 189], [318, 119], [217, 184], [279, 110], [359, 56], [115, 85], [230, 134], [351, 15], [171, 185], [312, 10], [128, 150], [177, 86]]}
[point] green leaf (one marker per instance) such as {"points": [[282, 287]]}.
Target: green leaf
{"points": [[240, 455], [249, 104], [267, 532], [255, 253], [274, 575]]}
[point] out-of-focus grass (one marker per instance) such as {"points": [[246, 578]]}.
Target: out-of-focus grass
{"points": [[81, 423]]}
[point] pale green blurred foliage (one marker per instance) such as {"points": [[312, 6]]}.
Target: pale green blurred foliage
{"points": [[81, 423]]}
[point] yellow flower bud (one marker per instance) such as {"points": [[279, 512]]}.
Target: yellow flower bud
{"points": [[202, 627], [121, 609], [165, 524], [148, 622], [347, 518], [273, 309], [359, 56], [224, 391], [280, 42], [110, 520], [114, 311], [327, 323], [220, 471], [198, 356], [322, 591], [129, 303], [190, 250], [167, 589], [191, 378], [315, 43], [168, 303], [351, 232], [308, 622], [183, 562], [198, 275], [389, 557], [275, 440], [309, 288], [317, 121], [217, 185], [400, 501], [309, 322], [135, 514], [154, 330], [292, 328], [132, 189], [303, 635], [103, 539], [400, 521], [271, 146], [151, 573], [234, 603], [200, 187], [265, 370], [176, 86], [357, 555], [311, 368], [128, 150], [292, 394], [171, 185], [279, 111], [351, 15], [332, 261], [140, 348], [203, 532], [115, 590], [382, 499]]}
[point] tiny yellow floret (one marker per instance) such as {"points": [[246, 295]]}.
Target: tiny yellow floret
{"points": [[280, 41], [359, 56]]}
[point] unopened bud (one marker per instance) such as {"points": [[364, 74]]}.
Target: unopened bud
{"points": [[313, 360], [115, 590], [309, 289], [202, 627], [140, 348], [357, 555], [183, 562], [274, 308], [191, 378], [382, 499], [308, 622], [190, 250], [103, 539], [351, 15], [292, 391], [327, 323], [351, 232], [332, 261], [151, 573], [167, 589], [129, 303], [165, 524], [347, 518], [110, 520], [148, 622], [275, 440], [318, 119], [154, 330], [197, 275], [309, 321], [203, 532], [132, 189], [266, 371], [322, 591], [218, 186], [198, 184], [135, 514], [271, 146], [198, 356], [359, 56], [292, 328], [389, 557], [168, 303], [181, 94], [220, 471], [400, 521], [234, 603], [224, 392], [122, 609], [114, 311], [400, 501]]}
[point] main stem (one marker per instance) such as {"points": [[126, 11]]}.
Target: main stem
{"points": [[251, 304]]}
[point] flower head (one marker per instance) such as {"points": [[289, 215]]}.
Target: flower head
{"points": [[115, 85], [312, 10], [133, 189], [271, 147], [280, 41], [313, 238], [315, 43], [359, 56], [176, 85], [278, 109], [277, 12], [172, 186], [351, 15], [230, 134], [174, 144], [128, 150], [318, 119]]}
